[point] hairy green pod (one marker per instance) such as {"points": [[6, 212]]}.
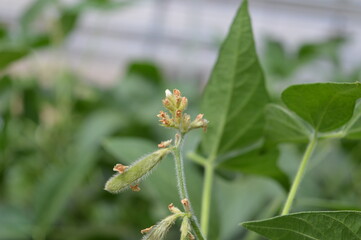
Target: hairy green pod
{"points": [[135, 172], [185, 229], [159, 231]]}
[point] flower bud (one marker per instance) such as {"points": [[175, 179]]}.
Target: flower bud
{"points": [[185, 203], [168, 93], [168, 104], [185, 123], [199, 117], [199, 122], [176, 92], [178, 116], [134, 173], [165, 144], [173, 209], [183, 104], [176, 104]]}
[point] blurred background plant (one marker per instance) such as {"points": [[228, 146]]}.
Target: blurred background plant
{"points": [[61, 131]]}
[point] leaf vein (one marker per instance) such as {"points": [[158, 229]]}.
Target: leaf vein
{"points": [[346, 227]]}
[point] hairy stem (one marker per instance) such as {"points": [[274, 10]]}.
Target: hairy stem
{"points": [[207, 196], [182, 187], [301, 171], [208, 165]]}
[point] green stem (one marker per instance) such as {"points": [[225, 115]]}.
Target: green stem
{"points": [[301, 171], [207, 188], [333, 135], [197, 159], [182, 187], [206, 197]]}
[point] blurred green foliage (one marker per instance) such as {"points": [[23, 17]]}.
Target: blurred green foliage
{"points": [[50, 152], [60, 140], [322, 61], [282, 63]]}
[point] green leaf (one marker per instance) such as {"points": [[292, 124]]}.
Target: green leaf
{"points": [[5, 83], [235, 95], [10, 55], [147, 70], [353, 128], [68, 21], [327, 48], [284, 126], [3, 31], [326, 106], [260, 162], [39, 41], [278, 61], [310, 225], [31, 102]]}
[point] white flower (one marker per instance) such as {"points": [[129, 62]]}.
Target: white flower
{"points": [[168, 93]]}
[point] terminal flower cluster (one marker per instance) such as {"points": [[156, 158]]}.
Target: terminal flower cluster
{"points": [[176, 104]]}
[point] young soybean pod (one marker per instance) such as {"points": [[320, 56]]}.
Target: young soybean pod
{"points": [[159, 231], [133, 174]]}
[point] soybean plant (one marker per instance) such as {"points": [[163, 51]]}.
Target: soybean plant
{"points": [[131, 176]]}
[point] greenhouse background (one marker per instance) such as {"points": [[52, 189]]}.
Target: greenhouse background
{"points": [[81, 83], [188, 33]]}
